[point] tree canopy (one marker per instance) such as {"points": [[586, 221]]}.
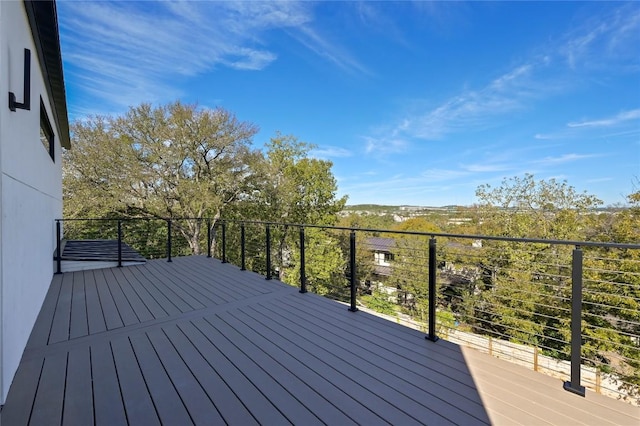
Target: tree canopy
{"points": [[182, 161]]}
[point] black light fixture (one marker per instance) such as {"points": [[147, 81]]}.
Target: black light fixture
{"points": [[26, 91]]}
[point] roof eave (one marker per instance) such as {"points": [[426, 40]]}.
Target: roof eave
{"points": [[43, 20]]}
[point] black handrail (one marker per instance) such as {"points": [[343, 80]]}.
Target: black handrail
{"points": [[573, 385], [390, 231]]}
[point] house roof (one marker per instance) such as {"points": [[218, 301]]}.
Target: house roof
{"points": [[381, 243], [43, 20]]}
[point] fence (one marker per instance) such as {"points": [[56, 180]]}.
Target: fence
{"points": [[574, 303]]}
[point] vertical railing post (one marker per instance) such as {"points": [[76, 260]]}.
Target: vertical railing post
{"points": [[208, 237], [119, 243], [576, 324], [352, 267], [432, 290], [243, 260], [169, 240], [224, 242], [268, 250], [303, 277], [58, 248]]}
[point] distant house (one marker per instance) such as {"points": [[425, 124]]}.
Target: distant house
{"points": [[33, 129], [382, 251], [452, 278]]}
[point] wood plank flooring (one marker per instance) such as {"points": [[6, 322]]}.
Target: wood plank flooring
{"points": [[196, 341]]}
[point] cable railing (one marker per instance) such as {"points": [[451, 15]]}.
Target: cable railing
{"points": [[570, 309]]}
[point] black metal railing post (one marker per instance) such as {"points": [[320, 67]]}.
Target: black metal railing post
{"points": [[352, 267], [58, 248], [243, 260], [303, 277], [432, 290], [208, 237], [168, 240], [224, 242], [576, 324], [268, 251], [119, 244]]}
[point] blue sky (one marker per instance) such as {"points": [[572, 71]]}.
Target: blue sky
{"points": [[414, 102]]}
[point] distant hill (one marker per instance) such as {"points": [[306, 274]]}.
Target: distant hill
{"points": [[388, 208]]}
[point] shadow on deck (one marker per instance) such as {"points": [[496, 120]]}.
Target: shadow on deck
{"points": [[199, 342]]}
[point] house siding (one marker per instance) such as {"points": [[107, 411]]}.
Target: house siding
{"points": [[30, 193]]}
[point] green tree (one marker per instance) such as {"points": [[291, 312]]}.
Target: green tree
{"points": [[611, 292], [522, 207], [290, 188], [295, 188], [410, 271], [324, 265], [527, 282], [169, 161]]}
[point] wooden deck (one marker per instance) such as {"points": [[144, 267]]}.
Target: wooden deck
{"points": [[195, 341]]}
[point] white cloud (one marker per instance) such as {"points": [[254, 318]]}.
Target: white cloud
{"points": [[331, 152], [598, 180], [487, 167], [610, 121], [384, 146], [605, 41], [566, 158], [124, 53], [613, 37], [332, 52]]}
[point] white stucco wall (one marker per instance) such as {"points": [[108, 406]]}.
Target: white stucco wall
{"points": [[30, 194]]}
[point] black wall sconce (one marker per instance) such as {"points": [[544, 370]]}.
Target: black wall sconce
{"points": [[26, 91]]}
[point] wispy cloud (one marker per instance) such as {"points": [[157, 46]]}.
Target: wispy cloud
{"points": [[566, 158], [384, 146], [622, 125], [332, 52], [605, 41], [598, 180], [429, 187], [487, 168], [609, 121], [472, 109], [331, 152], [542, 75], [122, 53]]}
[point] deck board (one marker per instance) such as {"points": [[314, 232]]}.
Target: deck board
{"points": [[361, 360], [227, 403], [141, 310], [257, 404], [78, 399], [42, 328], [384, 402], [137, 401], [49, 398], [62, 317], [167, 401], [139, 288], [195, 341], [108, 304], [95, 317], [125, 310], [155, 291], [79, 325], [106, 389]]}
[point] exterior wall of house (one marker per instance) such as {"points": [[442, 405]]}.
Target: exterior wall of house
{"points": [[30, 193], [380, 258]]}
